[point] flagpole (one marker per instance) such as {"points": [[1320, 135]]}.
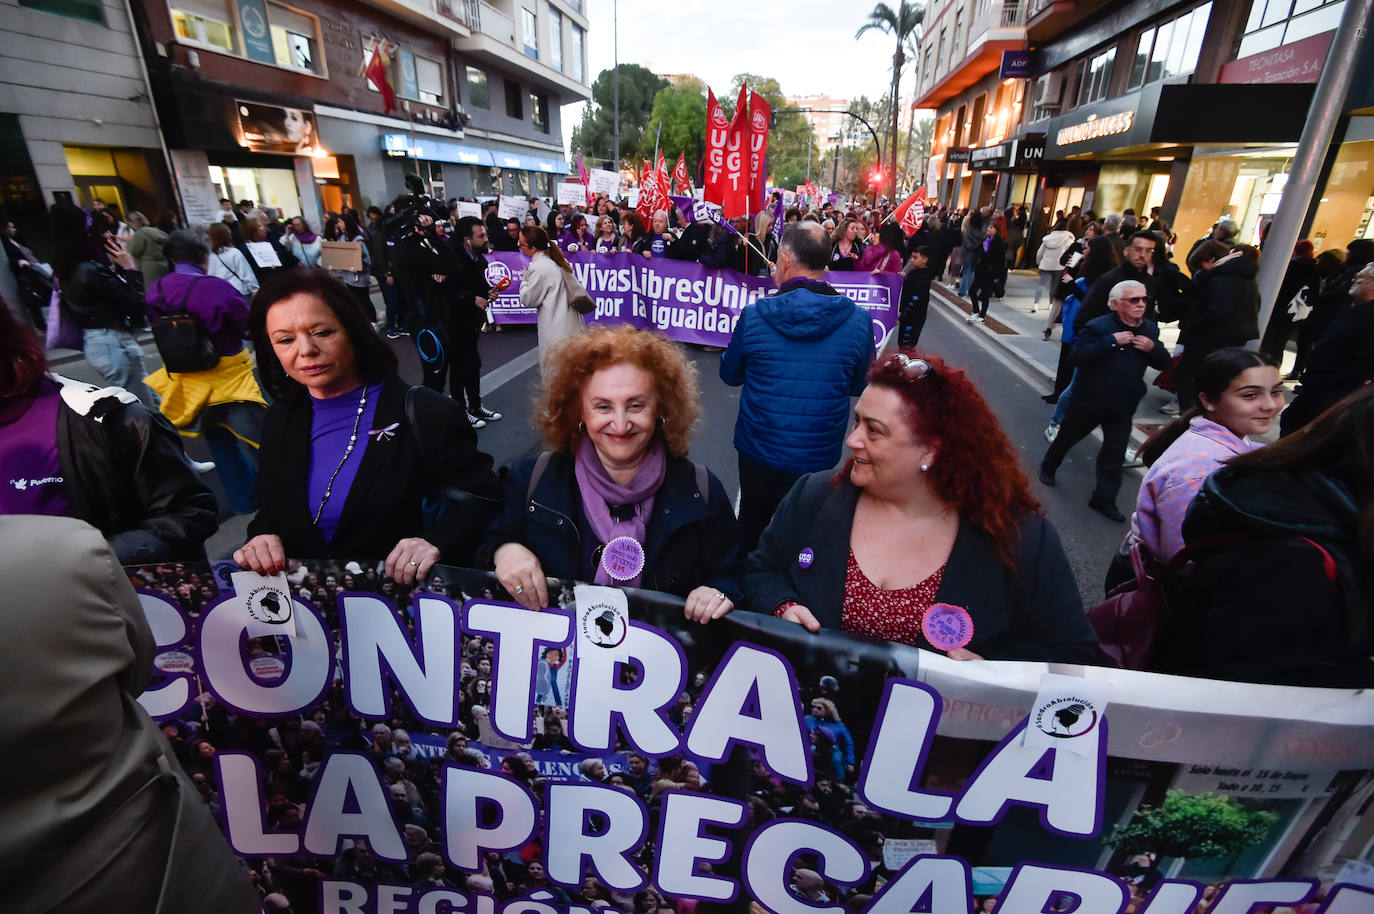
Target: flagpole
{"points": [[615, 74]]}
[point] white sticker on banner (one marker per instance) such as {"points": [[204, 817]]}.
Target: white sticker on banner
{"points": [[1068, 713], [174, 662], [263, 254], [603, 619], [265, 603]]}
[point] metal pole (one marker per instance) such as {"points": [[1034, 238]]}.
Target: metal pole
{"points": [[615, 74], [808, 159], [1327, 101]]}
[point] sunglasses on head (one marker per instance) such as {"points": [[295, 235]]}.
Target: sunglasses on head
{"points": [[913, 369]]}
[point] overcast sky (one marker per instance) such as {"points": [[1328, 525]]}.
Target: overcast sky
{"points": [[807, 45]]}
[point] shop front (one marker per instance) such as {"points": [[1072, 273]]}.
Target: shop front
{"points": [[1008, 171], [457, 170], [131, 179]]}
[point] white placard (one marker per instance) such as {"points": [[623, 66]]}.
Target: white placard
{"points": [[571, 194], [603, 182], [469, 209], [263, 254], [265, 603], [602, 619], [1068, 713], [898, 852], [512, 207], [198, 196], [634, 198]]}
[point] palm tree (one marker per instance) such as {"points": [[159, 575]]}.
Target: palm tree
{"points": [[903, 24]]}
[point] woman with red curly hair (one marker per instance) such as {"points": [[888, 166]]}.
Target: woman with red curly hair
{"points": [[615, 499], [929, 535]]}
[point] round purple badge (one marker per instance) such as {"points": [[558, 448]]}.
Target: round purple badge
{"points": [[805, 558], [946, 626], [623, 558]]}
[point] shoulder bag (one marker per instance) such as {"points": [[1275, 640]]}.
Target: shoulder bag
{"points": [[182, 341], [581, 302]]}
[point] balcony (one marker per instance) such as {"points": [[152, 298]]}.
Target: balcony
{"points": [[447, 17], [999, 25], [488, 20], [494, 39], [1047, 18]]}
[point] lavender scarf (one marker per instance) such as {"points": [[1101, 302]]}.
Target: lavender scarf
{"points": [[599, 492]]}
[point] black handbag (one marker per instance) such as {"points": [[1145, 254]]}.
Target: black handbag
{"points": [[182, 341]]}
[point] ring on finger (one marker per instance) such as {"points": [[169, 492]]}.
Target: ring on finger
{"points": [[414, 564], [720, 595], [519, 588]]}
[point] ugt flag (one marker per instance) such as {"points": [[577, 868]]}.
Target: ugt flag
{"points": [[912, 212], [682, 181], [717, 134]]}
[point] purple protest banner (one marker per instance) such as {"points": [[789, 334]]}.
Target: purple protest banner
{"points": [[688, 302]]}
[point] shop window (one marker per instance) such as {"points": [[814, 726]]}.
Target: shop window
{"points": [[89, 10], [479, 96], [518, 183], [430, 79], [529, 27], [556, 39], [295, 39], [539, 111], [513, 106], [1279, 22], [1141, 62], [575, 54], [484, 183], [205, 22]]}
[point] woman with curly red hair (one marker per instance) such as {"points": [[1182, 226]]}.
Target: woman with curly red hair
{"points": [[928, 536]]}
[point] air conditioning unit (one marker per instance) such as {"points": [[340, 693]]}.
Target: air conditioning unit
{"points": [[1048, 89]]}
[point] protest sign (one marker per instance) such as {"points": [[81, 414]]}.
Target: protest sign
{"points": [[341, 255], [689, 302], [571, 194], [604, 182], [442, 721], [512, 207], [469, 209]]}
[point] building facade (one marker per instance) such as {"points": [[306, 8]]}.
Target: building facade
{"points": [[1193, 107], [268, 101]]}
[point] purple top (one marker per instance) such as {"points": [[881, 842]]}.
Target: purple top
{"points": [[1174, 480], [331, 425], [220, 307], [31, 482]]}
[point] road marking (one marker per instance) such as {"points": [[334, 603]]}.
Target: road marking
{"points": [[504, 374]]}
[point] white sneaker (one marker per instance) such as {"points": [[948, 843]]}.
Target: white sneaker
{"points": [[202, 466], [980, 319], [486, 414], [1051, 432], [971, 319], [1035, 308], [476, 422], [1170, 409]]}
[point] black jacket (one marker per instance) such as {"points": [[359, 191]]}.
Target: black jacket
{"points": [[1226, 307], [1095, 305], [1032, 613], [1341, 362], [692, 538], [1111, 377], [467, 281], [915, 300], [126, 474], [1263, 609], [288, 260], [101, 297], [1174, 293], [992, 264], [397, 474]]}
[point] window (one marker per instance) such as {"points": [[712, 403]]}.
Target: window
{"points": [[295, 41], [575, 53], [926, 72], [206, 24], [513, 107], [556, 39], [958, 28], [1141, 62], [940, 51], [975, 121], [429, 76], [529, 25], [1171, 49], [478, 95], [1279, 22], [89, 10], [1097, 72], [539, 111]]}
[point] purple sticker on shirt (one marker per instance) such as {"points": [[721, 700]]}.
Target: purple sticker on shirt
{"points": [[946, 626], [623, 558], [805, 558]]}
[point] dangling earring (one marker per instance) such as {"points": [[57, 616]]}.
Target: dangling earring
{"points": [[582, 428]]}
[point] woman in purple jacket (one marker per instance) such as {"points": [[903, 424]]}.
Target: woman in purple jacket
{"points": [[224, 402]]}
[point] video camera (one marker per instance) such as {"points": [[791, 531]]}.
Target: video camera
{"points": [[410, 206]]}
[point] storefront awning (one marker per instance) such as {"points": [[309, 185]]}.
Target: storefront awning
{"points": [[1211, 113], [400, 144]]}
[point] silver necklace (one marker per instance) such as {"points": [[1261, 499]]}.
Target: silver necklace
{"points": [[352, 443]]}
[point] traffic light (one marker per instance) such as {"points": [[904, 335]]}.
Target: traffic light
{"points": [[876, 178]]}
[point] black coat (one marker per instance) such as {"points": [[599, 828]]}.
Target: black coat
{"points": [[1031, 613], [126, 474], [1111, 377], [1225, 309], [383, 505], [1341, 362], [1263, 609], [692, 539]]}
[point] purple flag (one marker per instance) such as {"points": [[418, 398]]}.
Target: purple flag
{"points": [[779, 213], [694, 210]]}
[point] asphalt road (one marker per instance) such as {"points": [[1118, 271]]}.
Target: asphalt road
{"points": [[511, 380]]}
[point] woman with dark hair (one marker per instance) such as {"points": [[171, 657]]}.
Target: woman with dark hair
{"points": [[990, 271], [1224, 311], [555, 225], [1239, 394], [932, 510], [617, 500], [228, 263], [345, 227], [848, 245], [886, 255], [98, 455], [264, 253], [631, 230], [545, 289], [577, 237], [302, 242], [352, 458], [1283, 591]]}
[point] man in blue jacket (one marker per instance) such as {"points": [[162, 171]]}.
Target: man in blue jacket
{"points": [[1111, 353], [800, 355]]}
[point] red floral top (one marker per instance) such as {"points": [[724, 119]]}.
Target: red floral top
{"points": [[894, 615]]}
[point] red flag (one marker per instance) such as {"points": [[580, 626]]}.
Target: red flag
{"points": [[378, 73], [912, 212], [661, 178], [735, 177], [717, 134], [760, 117], [586, 181], [682, 181], [651, 197]]}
